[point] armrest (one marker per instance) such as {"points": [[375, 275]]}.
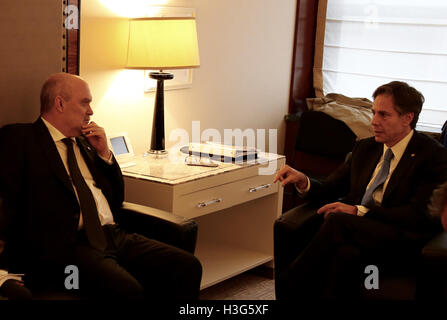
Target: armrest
{"points": [[159, 225], [432, 283], [436, 249], [293, 231]]}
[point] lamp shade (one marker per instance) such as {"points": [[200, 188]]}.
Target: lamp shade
{"points": [[162, 43]]}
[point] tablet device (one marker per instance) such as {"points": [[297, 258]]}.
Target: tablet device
{"points": [[121, 148]]}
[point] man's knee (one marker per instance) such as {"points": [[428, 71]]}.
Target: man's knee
{"points": [[184, 283], [196, 266], [347, 253], [340, 219], [337, 217], [191, 266], [117, 284]]}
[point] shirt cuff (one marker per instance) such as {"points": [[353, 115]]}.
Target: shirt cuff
{"points": [[108, 160], [304, 191], [361, 210]]}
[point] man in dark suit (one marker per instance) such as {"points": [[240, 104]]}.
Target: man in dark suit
{"points": [[375, 205], [62, 190]]}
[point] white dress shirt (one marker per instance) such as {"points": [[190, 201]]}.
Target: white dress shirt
{"points": [[104, 212], [398, 150]]}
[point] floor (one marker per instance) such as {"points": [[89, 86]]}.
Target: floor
{"points": [[251, 285]]}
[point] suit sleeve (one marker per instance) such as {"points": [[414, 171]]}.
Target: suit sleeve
{"points": [[11, 185], [108, 176], [113, 188], [11, 175], [335, 187]]}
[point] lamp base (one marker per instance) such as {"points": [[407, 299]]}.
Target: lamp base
{"points": [[157, 149], [156, 153]]}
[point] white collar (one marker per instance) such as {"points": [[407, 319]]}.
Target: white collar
{"points": [[400, 147], [56, 135]]}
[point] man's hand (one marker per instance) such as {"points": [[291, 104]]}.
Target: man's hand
{"points": [[337, 207], [289, 175], [96, 136]]}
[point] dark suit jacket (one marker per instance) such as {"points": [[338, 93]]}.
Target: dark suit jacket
{"points": [[41, 211], [422, 168]]}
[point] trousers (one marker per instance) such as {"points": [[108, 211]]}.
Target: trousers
{"points": [[136, 267], [333, 264]]}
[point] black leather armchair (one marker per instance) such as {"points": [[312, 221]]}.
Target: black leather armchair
{"points": [[426, 280], [153, 223], [316, 144], [321, 144]]}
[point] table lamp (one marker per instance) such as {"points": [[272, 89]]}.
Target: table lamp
{"points": [[162, 44]]}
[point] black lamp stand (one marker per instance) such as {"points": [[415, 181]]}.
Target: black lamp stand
{"points": [[158, 123]]}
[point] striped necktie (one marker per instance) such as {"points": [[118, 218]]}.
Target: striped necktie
{"points": [[380, 179]]}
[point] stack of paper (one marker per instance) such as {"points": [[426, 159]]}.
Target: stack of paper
{"points": [[221, 150]]}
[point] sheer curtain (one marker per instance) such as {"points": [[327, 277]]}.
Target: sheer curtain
{"points": [[362, 44]]}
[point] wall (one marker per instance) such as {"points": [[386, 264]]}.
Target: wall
{"points": [[31, 33], [243, 81]]}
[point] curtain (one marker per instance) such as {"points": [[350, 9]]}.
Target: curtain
{"points": [[319, 48], [301, 86], [366, 43]]}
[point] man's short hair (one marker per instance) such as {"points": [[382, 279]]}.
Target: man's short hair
{"points": [[406, 99], [52, 88]]}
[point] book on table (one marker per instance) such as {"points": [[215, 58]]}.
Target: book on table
{"points": [[222, 151], [5, 275]]}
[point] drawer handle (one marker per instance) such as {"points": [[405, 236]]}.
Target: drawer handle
{"points": [[264, 186], [208, 203]]}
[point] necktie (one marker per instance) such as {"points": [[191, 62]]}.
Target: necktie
{"points": [[367, 199], [87, 203]]}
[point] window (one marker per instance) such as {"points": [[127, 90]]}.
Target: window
{"points": [[371, 42]]}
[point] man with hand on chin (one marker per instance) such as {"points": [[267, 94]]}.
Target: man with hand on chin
{"points": [[375, 210], [62, 190]]}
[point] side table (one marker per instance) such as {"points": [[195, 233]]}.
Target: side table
{"points": [[234, 204]]}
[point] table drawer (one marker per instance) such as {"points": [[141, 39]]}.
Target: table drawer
{"points": [[224, 196]]}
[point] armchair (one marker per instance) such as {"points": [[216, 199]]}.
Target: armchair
{"points": [[319, 145], [426, 280], [153, 223], [316, 144]]}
